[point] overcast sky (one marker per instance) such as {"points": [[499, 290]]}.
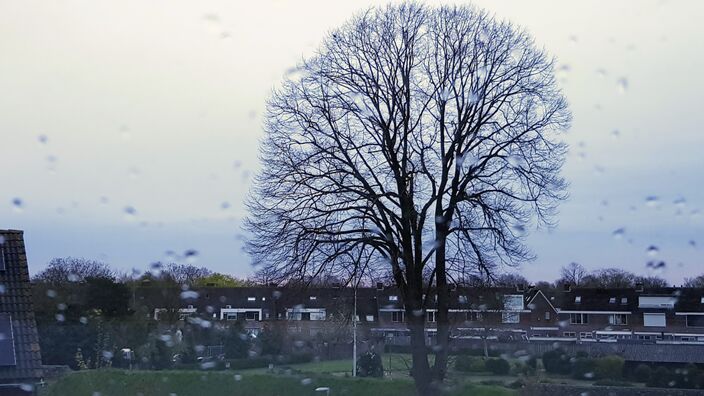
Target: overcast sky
{"points": [[129, 128]]}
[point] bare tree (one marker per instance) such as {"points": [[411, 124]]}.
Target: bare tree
{"points": [[609, 278], [650, 281], [694, 282], [511, 280], [572, 274], [425, 138], [73, 269]]}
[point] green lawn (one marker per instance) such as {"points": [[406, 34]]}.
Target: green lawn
{"points": [[196, 383]]}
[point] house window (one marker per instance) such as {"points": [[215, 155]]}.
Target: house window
{"points": [[624, 301], [618, 319], [612, 300], [579, 318], [547, 315], [370, 318], [462, 299], [432, 316], [190, 307], [2, 258], [397, 316], [586, 335], [701, 301], [251, 315], [569, 334], [251, 299], [317, 315], [474, 316], [695, 320], [312, 298], [654, 320], [578, 299], [393, 298], [510, 317]]}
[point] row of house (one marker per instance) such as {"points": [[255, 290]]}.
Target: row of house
{"points": [[629, 315]]}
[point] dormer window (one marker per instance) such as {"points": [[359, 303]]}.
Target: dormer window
{"points": [[702, 300], [624, 301], [463, 299], [393, 298], [578, 299], [251, 299], [612, 300], [312, 298]]}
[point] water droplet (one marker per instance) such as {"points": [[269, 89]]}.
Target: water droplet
{"points": [[601, 73], [27, 387], [652, 251], [225, 205], [83, 320], [518, 229], [43, 139], [189, 295], [17, 205], [238, 377], [680, 202], [622, 85], [51, 293], [306, 381], [2, 240], [693, 243], [615, 133], [517, 161], [212, 18], [130, 212], [618, 233], [652, 201], [191, 255], [60, 317]]}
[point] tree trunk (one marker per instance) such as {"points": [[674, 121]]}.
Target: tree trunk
{"points": [[442, 315], [420, 370]]}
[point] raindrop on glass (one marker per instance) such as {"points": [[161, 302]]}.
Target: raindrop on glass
{"points": [[622, 85], [130, 212], [652, 251], [618, 233], [17, 204]]}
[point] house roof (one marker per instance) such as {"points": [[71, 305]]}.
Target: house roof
{"points": [[16, 300]]}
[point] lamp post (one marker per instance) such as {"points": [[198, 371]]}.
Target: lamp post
{"points": [[354, 333]]}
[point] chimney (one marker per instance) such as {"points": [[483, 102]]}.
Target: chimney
{"points": [[567, 287], [639, 287], [379, 286]]}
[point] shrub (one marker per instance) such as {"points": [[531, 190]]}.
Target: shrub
{"points": [[498, 366], [469, 364], [369, 365], [556, 361], [584, 368], [609, 367], [642, 373], [660, 378]]}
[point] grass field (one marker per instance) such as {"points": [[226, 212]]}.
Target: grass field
{"points": [[195, 383]]}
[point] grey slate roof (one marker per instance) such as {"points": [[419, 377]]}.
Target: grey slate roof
{"points": [[16, 300]]}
